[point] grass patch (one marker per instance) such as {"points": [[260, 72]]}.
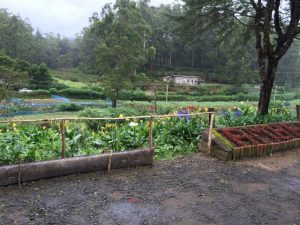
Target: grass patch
{"points": [[71, 84]]}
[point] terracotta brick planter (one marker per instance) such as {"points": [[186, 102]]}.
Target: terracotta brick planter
{"points": [[258, 140]]}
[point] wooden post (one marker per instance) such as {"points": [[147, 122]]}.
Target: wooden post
{"points": [[167, 92], [151, 132], [212, 116], [298, 111], [63, 138], [155, 105]]}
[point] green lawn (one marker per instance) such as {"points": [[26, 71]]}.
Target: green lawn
{"points": [[71, 84], [72, 75]]}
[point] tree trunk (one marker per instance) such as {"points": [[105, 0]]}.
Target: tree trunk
{"points": [[114, 103], [267, 83]]}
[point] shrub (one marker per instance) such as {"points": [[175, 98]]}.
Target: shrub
{"points": [[173, 97], [53, 91], [81, 93], [111, 112], [37, 93], [71, 107], [137, 95], [58, 86], [234, 91], [238, 97]]}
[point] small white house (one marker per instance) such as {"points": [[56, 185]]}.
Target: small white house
{"points": [[25, 90], [184, 80]]}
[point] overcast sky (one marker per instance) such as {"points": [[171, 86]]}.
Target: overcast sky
{"points": [[66, 17]]}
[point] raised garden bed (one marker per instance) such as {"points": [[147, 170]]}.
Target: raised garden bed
{"points": [[246, 141]]}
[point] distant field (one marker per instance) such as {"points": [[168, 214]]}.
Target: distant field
{"points": [[73, 75]]}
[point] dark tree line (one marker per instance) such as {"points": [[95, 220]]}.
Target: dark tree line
{"points": [[245, 41]]}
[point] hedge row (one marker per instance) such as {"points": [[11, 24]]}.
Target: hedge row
{"points": [[81, 93], [139, 95]]}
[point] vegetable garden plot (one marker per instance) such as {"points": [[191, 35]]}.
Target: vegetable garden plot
{"points": [[246, 141]]}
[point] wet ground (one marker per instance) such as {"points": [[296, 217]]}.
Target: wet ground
{"points": [[190, 190]]}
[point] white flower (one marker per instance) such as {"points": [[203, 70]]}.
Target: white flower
{"points": [[133, 124], [242, 103]]}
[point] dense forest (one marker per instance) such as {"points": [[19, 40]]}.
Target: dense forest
{"points": [[229, 59]]}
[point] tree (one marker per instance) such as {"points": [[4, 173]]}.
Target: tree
{"points": [[274, 22], [39, 76], [123, 49], [9, 76]]}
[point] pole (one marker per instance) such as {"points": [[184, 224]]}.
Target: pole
{"points": [[298, 111], [151, 132], [155, 105], [167, 92], [63, 138], [212, 110], [211, 124]]}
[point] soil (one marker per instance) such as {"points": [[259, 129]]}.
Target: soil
{"points": [[190, 190]]}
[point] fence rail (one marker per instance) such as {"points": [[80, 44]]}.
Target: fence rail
{"points": [[101, 118]]}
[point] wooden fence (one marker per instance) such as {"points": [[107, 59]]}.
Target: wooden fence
{"points": [[62, 122]]}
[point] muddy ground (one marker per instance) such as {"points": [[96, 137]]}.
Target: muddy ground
{"points": [[190, 190]]}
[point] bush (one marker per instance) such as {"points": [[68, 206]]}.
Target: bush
{"points": [[234, 91], [81, 93], [53, 91], [41, 93], [70, 107], [111, 112], [58, 86], [173, 97], [137, 95], [238, 97]]}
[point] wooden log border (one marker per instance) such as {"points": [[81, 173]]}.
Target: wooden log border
{"points": [[12, 174]]}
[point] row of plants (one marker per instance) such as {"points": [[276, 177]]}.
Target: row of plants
{"points": [[172, 136]]}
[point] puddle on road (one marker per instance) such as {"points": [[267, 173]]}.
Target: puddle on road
{"points": [[130, 213]]}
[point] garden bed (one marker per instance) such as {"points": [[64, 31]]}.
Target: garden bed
{"points": [[246, 141], [46, 169]]}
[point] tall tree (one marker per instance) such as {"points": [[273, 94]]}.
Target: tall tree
{"points": [[10, 76], [123, 49], [274, 22]]}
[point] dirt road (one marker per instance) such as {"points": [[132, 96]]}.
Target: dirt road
{"points": [[191, 190]]}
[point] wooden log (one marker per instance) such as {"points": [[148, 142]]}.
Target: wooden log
{"points": [[61, 167], [150, 130]]}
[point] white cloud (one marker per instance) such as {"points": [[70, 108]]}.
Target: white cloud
{"points": [[66, 17]]}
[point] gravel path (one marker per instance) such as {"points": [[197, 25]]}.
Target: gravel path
{"points": [[191, 190]]}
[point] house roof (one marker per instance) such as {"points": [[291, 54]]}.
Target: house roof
{"points": [[183, 76]]}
